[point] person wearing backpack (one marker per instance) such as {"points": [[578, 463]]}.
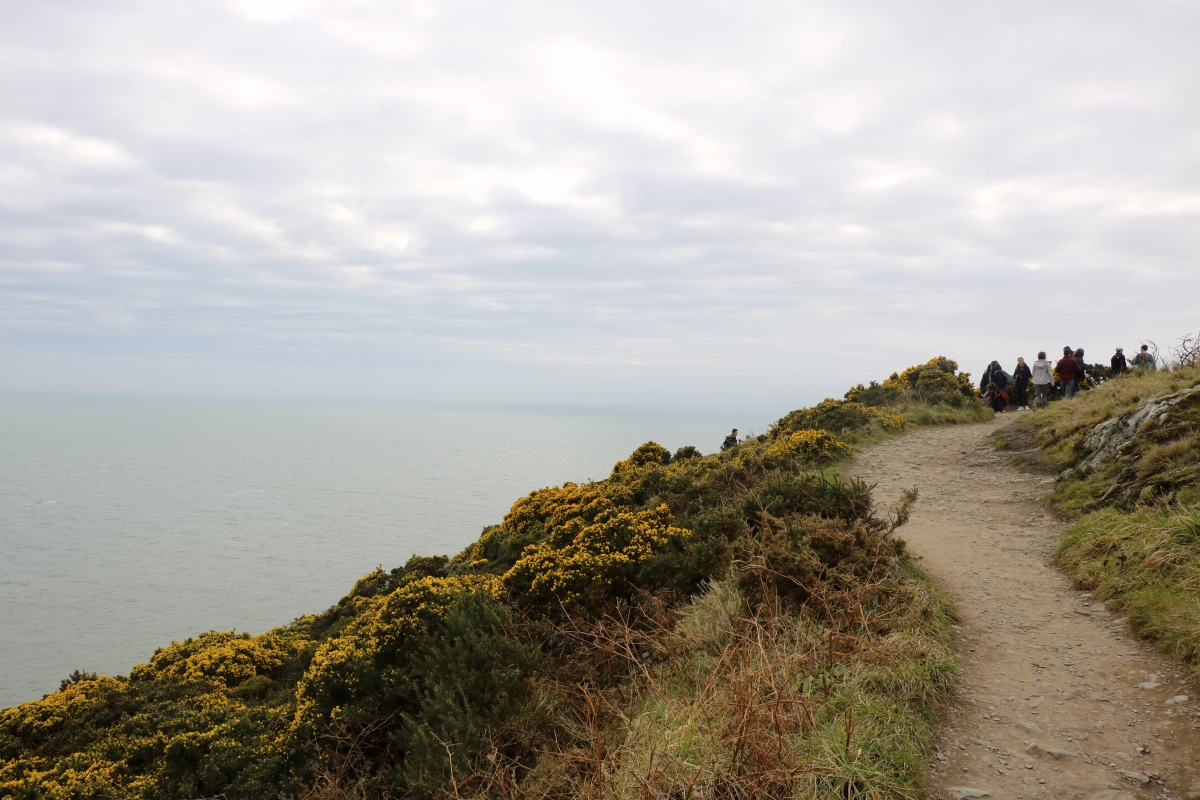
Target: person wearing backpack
{"points": [[1021, 376], [730, 440], [1043, 379]]}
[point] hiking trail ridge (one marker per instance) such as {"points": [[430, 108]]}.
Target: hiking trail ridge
{"points": [[1056, 695]]}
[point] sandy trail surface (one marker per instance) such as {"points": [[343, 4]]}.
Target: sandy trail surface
{"points": [[1056, 695]]}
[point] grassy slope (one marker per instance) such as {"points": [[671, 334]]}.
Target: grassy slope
{"points": [[1135, 540], [808, 705], [730, 625]]}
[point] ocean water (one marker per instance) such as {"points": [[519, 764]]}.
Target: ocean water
{"points": [[125, 525]]}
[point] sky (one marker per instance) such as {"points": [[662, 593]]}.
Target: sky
{"points": [[588, 203]]}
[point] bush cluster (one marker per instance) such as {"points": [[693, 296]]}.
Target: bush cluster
{"points": [[936, 382]]}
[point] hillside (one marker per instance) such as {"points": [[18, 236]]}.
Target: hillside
{"points": [[741, 622]]}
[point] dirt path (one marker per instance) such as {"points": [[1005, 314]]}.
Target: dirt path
{"points": [[1057, 698]]}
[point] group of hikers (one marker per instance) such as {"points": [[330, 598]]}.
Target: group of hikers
{"points": [[999, 389]]}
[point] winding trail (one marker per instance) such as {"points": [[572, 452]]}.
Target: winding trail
{"points": [[1056, 695]]}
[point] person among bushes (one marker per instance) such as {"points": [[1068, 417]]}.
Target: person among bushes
{"points": [[1069, 372], [1021, 376], [730, 440], [1043, 378], [1119, 365]]}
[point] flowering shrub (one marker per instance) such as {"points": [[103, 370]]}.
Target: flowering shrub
{"points": [[605, 554], [370, 665], [812, 447], [937, 381], [838, 416], [225, 656]]}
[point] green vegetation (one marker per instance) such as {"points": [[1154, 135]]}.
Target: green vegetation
{"points": [[733, 625], [1128, 456]]}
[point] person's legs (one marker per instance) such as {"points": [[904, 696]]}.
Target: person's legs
{"points": [[1041, 394], [1070, 388]]}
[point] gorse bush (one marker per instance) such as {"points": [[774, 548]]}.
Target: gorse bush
{"points": [[936, 382], [485, 673], [810, 446]]}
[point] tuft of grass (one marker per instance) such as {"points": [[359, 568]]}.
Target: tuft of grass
{"points": [[1135, 542], [1145, 563], [792, 705]]}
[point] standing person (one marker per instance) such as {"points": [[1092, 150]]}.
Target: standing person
{"points": [[1119, 365], [1069, 373], [1143, 361], [1021, 376], [1082, 367], [987, 377], [730, 440], [999, 377], [1043, 377]]}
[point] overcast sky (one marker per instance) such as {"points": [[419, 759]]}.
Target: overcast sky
{"points": [[590, 202]]}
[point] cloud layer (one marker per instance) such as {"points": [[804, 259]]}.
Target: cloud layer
{"points": [[592, 202]]}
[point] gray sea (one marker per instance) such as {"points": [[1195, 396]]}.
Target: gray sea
{"points": [[127, 524]]}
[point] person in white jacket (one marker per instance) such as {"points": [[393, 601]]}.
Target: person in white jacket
{"points": [[1043, 378]]}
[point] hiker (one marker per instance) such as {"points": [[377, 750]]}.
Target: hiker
{"points": [[995, 398], [999, 377], [730, 440], [1069, 372], [1043, 378], [1143, 361], [987, 377], [1078, 356], [1119, 365], [1021, 376]]}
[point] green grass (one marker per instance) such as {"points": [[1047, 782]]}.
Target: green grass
{"points": [[792, 706], [1145, 563], [1135, 541]]}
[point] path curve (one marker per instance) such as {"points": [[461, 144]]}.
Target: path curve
{"points": [[1056, 696]]}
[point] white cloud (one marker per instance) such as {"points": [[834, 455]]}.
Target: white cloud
{"points": [[775, 199]]}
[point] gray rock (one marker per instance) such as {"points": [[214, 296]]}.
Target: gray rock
{"points": [[1147, 685], [1111, 435], [1133, 775], [1031, 727], [1111, 794], [961, 792]]}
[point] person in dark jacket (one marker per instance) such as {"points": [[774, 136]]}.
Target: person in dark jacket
{"points": [[995, 397], [1069, 372], [987, 376], [999, 377], [1021, 375], [730, 440], [1119, 365]]}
